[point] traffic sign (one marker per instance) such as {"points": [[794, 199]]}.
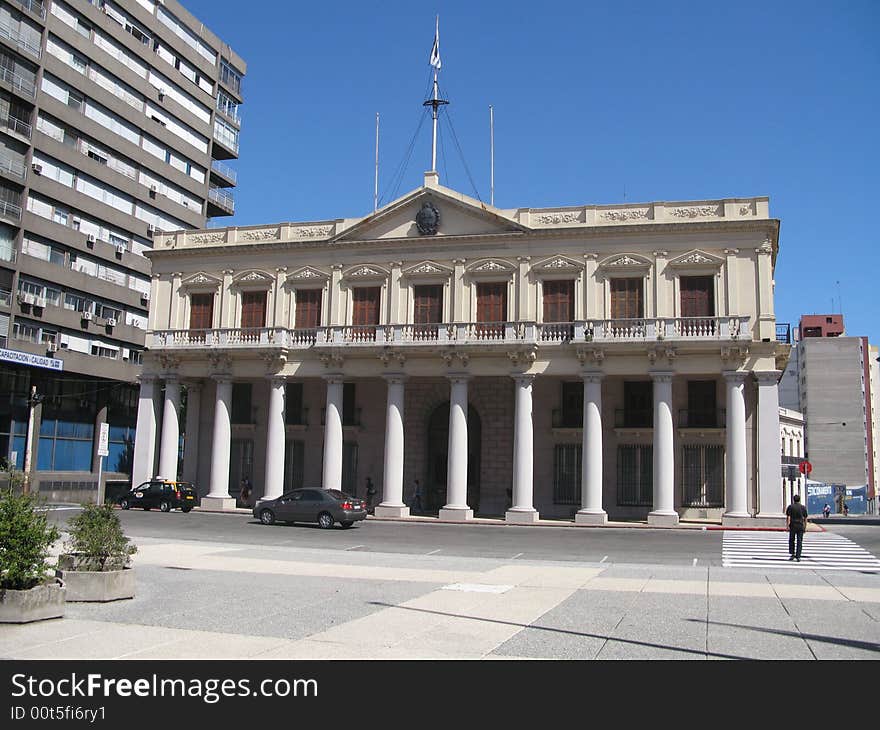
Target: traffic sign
{"points": [[805, 467], [104, 440]]}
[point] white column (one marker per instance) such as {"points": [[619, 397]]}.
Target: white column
{"points": [[273, 484], [456, 507], [736, 500], [332, 478], [664, 453], [170, 430], [768, 457], [523, 509], [191, 439], [591, 512], [392, 479], [145, 435], [218, 496]]}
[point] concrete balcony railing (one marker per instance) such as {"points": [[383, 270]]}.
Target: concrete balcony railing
{"points": [[460, 333], [19, 39]]}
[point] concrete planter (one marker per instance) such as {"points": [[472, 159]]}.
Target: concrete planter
{"points": [[35, 604], [84, 583]]}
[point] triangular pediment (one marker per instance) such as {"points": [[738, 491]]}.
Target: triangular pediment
{"points": [[200, 280], [307, 275], [446, 213], [252, 278], [697, 259]]}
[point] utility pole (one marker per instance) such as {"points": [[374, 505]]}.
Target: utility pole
{"points": [[33, 401]]}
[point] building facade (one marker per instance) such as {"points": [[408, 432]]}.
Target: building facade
{"points": [[581, 362], [116, 121], [792, 449], [829, 378]]}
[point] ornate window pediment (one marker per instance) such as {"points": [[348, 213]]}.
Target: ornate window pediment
{"points": [[625, 264], [307, 276], [427, 270], [200, 282], [365, 273], [490, 267], [253, 279], [696, 259], [557, 265]]}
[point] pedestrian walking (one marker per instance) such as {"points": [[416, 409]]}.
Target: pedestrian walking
{"points": [[796, 522], [826, 511], [245, 490], [371, 494], [416, 501]]}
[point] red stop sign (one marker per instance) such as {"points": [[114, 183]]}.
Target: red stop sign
{"points": [[805, 467]]}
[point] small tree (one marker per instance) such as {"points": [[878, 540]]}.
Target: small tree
{"points": [[96, 537], [25, 538]]}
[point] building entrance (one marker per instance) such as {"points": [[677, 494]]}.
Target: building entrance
{"points": [[438, 454]]}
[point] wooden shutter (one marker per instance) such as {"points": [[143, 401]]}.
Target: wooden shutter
{"points": [[427, 310], [201, 311], [697, 296], [559, 301], [308, 308], [253, 309], [492, 307], [626, 298], [365, 311]]}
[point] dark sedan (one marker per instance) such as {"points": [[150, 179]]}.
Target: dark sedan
{"points": [[324, 506]]}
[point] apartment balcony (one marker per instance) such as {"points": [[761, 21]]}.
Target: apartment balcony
{"points": [[479, 334], [35, 7], [220, 202], [5, 298], [19, 41], [18, 84], [225, 145], [12, 166], [21, 130], [10, 211], [223, 174]]}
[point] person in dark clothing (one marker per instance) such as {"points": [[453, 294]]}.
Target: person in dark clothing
{"points": [[796, 522]]}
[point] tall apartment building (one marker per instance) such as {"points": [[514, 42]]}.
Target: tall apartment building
{"points": [[828, 378], [116, 122]]}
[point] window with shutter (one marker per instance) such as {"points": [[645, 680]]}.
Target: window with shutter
{"points": [[308, 308], [201, 311], [697, 295], [626, 298], [491, 310], [365, 312], [558, 309], [427, 310], [253, 309]]}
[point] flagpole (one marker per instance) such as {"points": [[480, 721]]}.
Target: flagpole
{"points": [[491, 156], [435, 102], [376, 183]]}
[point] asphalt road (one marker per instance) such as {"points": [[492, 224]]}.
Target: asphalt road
{"points": [[637, 545]]}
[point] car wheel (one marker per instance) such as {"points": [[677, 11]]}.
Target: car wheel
{"points": [[185, 509], [124, 503], [165, 505], [267, 517], [325, 520], [347, 523]]}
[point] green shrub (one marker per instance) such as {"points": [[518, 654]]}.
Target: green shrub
{"points": [[25, 539], [97, 540]]}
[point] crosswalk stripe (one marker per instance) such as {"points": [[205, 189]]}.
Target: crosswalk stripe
{"points": [[821, 551]]}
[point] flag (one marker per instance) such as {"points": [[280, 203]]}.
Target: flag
{"points": [[435, 50]]}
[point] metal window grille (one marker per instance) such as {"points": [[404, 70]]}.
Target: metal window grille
{"points": [[567, 474], [702, 476], [635, 474]]}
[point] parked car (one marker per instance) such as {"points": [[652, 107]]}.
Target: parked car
{"points": [[161, 493], [324, 506]]}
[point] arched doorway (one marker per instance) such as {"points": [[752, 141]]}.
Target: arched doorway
{"points": [[438, 454]]}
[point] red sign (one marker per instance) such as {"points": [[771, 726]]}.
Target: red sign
{"points": [[805, 467]]}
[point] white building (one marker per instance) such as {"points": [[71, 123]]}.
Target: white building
{"points": [[580, 362], [791, 441]]}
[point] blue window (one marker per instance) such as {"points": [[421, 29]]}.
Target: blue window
{"points": [[65, 445], [121, 449]]}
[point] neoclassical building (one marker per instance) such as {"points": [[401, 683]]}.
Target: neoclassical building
{"points": [[584, 363]]}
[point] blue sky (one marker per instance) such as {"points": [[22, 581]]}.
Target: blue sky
{"points": [[594, 103]]}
